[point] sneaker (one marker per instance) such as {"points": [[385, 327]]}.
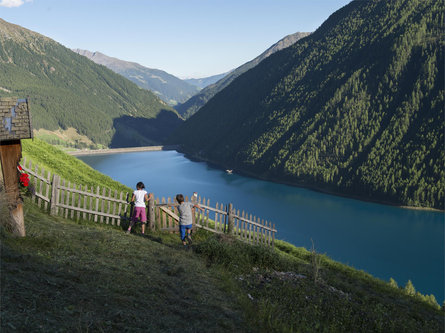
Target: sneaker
{"points": [[128, 232], [189, 240]]}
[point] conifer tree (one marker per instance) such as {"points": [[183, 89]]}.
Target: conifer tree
{"points": [[409, 288], [393, 283]]}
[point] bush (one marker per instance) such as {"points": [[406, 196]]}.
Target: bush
{"points": [[227, 251]]}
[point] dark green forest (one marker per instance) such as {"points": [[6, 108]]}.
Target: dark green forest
{"points": [[193, 104], [68, 90], [356, 108]]}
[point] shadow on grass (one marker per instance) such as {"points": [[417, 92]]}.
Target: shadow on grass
{"points": [[68, 276]]}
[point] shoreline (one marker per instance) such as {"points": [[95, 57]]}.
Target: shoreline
{"points": [[241, 172], [312, 188], [119, 150]]}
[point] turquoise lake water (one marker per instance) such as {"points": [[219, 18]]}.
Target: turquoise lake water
{"points": [[384, 241]]}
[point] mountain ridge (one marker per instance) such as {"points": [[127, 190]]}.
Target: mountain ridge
{"points": [[168, 87], [67, 90], [353, 109], [192, 105], [203, 82]]}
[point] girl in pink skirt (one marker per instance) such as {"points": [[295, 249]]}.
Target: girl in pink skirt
{"points": [[140, 197]]}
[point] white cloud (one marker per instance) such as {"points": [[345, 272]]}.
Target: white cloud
{"points": [[12, 3]]}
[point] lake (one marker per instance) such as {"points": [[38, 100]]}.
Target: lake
{"points": [[384, 241]]}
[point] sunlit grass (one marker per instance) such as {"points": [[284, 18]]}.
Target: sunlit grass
{"points": [[85, 276], [81, 276]]}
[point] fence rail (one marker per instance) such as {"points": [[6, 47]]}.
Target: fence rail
{"points": [[60, 197], [218, 219]]}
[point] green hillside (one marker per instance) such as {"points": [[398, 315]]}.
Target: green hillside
{"points": [[67, 90], [191, 106], [68, 276], [83, 276], [169, 88], [68, 167], [356, 108]]}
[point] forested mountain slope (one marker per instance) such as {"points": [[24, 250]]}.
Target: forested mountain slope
{"points": [[68, 90], [191, 106], [356, 108], [169, 88]]}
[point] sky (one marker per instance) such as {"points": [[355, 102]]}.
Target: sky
{"points": [[186, 38]]}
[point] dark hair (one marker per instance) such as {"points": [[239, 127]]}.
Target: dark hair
{"points": [[140, 185], [179, 198]]}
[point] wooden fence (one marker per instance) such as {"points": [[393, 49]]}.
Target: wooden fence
{"points": [[218, 219], [74, 201]]}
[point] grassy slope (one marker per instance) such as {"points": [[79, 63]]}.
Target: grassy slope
{"points": [[67, 166], [76, 276], [83, 276]]}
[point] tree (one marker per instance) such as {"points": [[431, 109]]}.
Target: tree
{"points": [[393, 283], [409, 288]]}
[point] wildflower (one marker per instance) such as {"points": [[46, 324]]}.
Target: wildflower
{"points": [[24, 177]]}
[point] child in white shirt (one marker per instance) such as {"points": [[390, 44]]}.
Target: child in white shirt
{"points": [[140, 196]]}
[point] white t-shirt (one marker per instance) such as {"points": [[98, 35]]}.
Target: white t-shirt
{"points": [[139, 198]]}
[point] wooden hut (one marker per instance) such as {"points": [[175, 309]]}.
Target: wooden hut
{"points": [[15, 124]]}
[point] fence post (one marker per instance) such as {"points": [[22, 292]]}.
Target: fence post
{"points": [[273, 237], [230, 219], [151, 213], [54, 195]]}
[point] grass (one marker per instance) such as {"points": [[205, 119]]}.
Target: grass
{"points": [[283, 296], [66, 166], [65, 139], [81, 276], [68, 276]]}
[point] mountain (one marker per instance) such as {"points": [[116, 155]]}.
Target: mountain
{"points": [[190, 107], [355, 109], [169, 88], [206, 81], [67, 90]]}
